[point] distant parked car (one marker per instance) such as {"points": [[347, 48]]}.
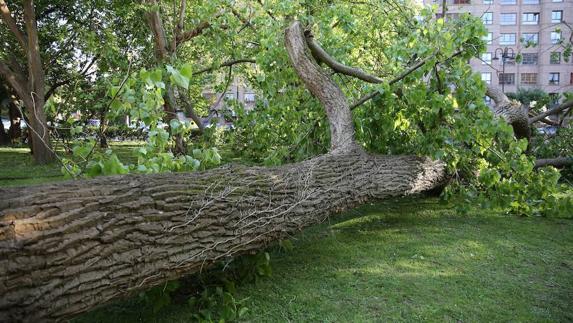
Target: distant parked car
{"points": [[94, 122], [5, 123], [550, 130]]}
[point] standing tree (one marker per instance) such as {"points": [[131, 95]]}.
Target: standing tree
{"points": [[30, 88]]}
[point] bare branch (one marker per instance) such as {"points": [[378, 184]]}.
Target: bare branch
{"points": [[398, 78], [225, 64], [268, 11], [321, 55], [198, 30], [83, 72], [17, 81], [564, 106], [180, 25]]}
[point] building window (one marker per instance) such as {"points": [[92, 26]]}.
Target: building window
{"points": [[556, 0], [462, 1], [529, 59], [486, 77], [486, 58], [487, 1], [555, 37], [508, 19], [555, 58], [507, 78], [249, 97], [488, 39], [530, 18], [529, 78], [507, 39], [508, 1], [230, 96], [487, 18], [530, 39], [556, 16], [571, 79], [554, 78], [530, 1]]}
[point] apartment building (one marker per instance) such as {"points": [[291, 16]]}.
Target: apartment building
{"points": [[221, 103], [536, 29]]}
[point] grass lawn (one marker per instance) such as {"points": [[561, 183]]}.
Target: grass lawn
{"points": [[17, 166], [410, 261], [405, 260]]}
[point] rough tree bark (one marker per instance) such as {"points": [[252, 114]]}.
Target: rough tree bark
{"points": [[513, 112], [67, 247]]}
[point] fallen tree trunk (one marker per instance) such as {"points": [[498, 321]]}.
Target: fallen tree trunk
{"points": [[68, 247]]}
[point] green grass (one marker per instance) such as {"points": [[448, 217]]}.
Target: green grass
{"points": [[17, 166], [407, 261]]}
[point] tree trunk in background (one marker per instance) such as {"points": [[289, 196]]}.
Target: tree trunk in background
{"points": [[190, 112], [163, 54], [39, 134], [68, 247], [30, 89], [4, 137], [15, 131]]}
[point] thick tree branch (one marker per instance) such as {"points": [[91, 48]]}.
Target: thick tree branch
{"points": [[156, 25], [17, 81], [190, 110], [558, 162], [323, 88], [198, 30], [11, 23], [497, 95], [562, 107], [180, 25], [225, 64], [511, 111], [322, 56]]}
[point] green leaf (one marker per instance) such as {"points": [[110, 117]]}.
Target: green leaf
{"points": [[178, 78], [186, 70]]}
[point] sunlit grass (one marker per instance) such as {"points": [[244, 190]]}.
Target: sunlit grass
{"points": [[17, 167], [407, 261]]}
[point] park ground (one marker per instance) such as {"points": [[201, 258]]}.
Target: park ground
{"points": [[402, 260]]}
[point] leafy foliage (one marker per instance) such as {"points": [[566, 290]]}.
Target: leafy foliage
{"points": [[211, 294], [141, 98]]}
